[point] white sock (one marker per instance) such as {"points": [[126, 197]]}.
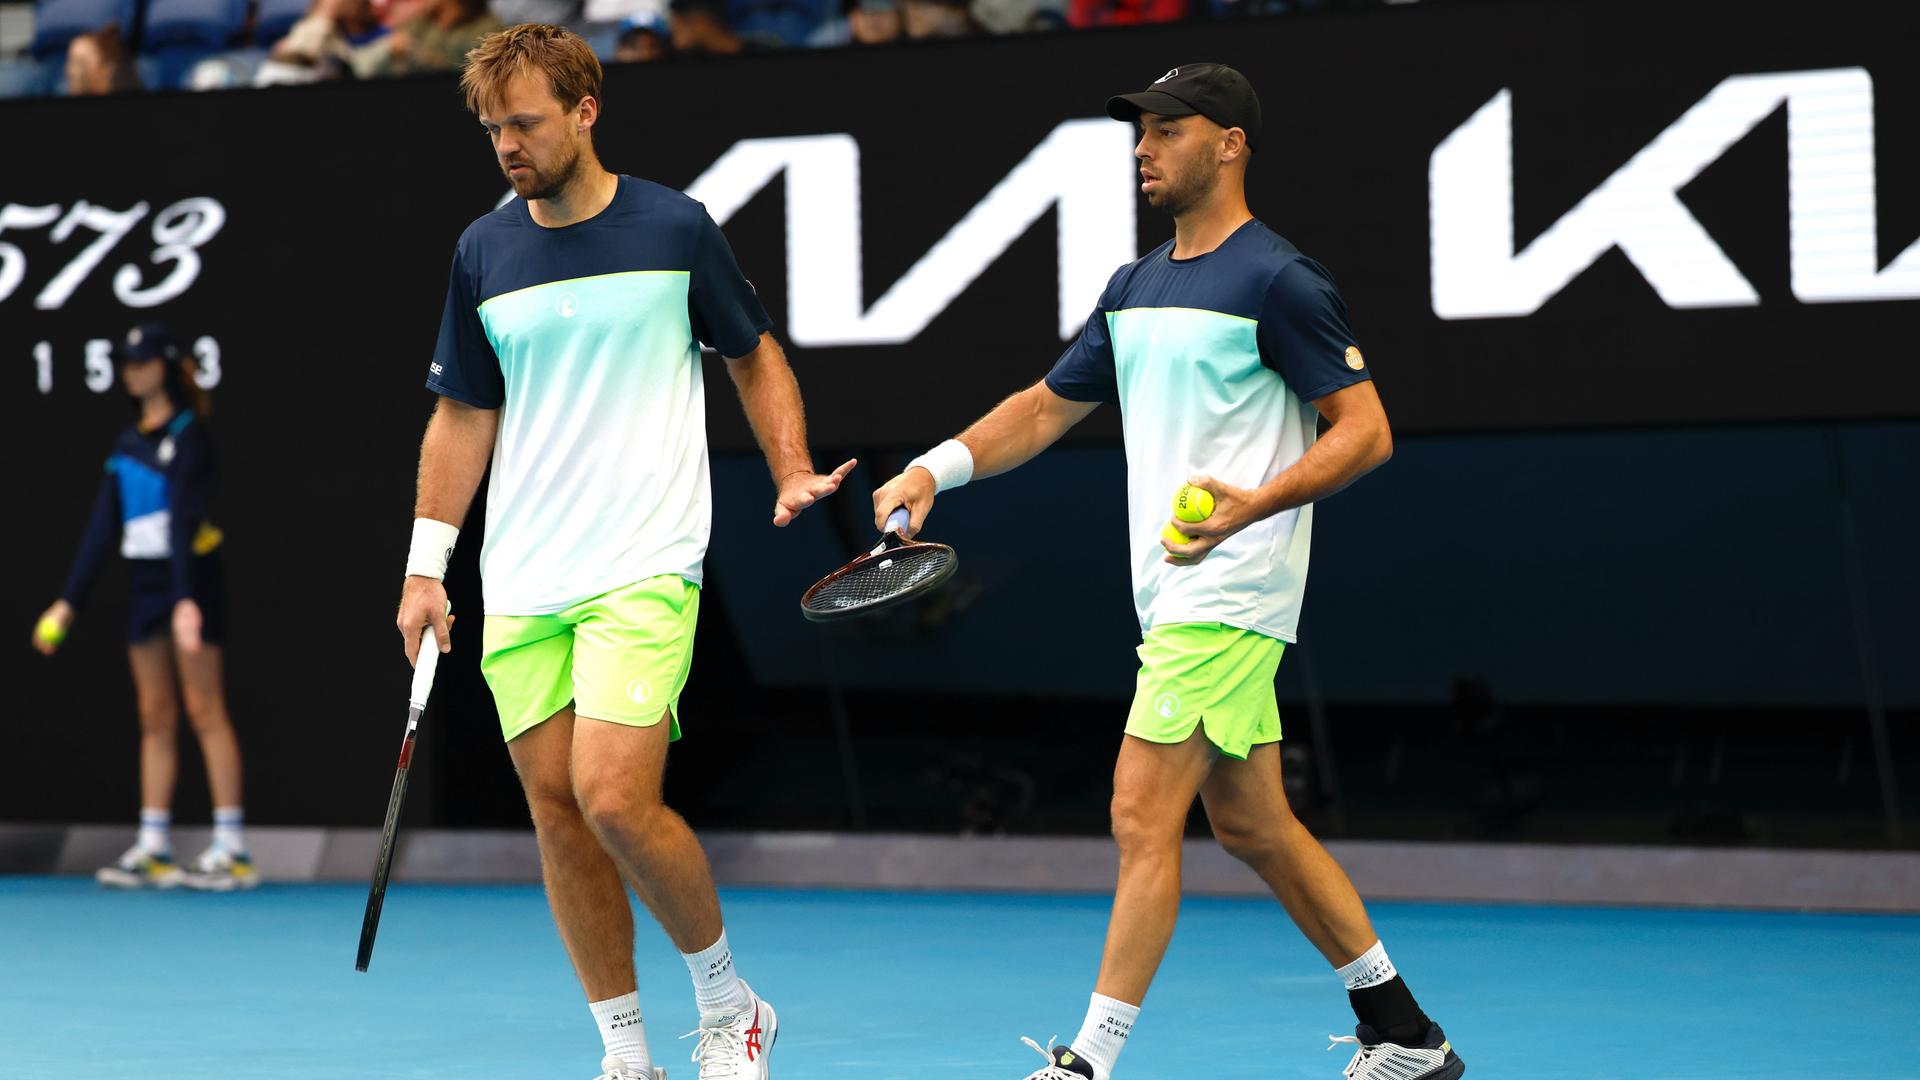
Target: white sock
{"points": [[716, 985], [154, 838], [226, 830], [1104, 1033], [623, 1032], [1371, 969]]}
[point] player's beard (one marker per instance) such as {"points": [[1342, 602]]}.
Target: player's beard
{"points": [[1192, 188], [543, 184]]}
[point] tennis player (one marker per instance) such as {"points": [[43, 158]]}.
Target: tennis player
{"points": [[152, 506], [569, 357], [1223, 348]]}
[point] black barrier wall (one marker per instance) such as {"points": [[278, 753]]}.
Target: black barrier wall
{"points": [[1637, 217]]}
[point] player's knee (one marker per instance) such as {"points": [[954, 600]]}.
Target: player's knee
{"points": [[1142, 824], [616, 807], [1248, 841], [553, 807]]}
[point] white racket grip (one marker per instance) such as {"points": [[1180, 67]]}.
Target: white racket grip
{"points": [[424, 666], [897, 521]]}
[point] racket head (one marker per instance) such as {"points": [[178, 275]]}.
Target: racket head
{"points": [[893, 573]]}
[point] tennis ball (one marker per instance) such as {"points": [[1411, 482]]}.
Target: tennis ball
{"points": [[50, 631], [1175, 536], [1192, 503]]}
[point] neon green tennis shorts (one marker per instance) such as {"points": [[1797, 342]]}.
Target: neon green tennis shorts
{"points": [[1211, 675], [621, 656]]}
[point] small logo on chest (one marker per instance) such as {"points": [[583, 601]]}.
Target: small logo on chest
{"points": [[568, 305]]}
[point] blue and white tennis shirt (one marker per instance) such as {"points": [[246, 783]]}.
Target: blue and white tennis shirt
{"points": [[586, 338], [1215, 361]]}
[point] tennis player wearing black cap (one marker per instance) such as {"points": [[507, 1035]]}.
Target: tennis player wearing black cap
{"points": [[1223, 348]]}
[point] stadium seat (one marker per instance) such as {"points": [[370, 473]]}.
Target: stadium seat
{"points": [[57, 22], [192, 24], [28, 78], [789, 22], [273, 18]]}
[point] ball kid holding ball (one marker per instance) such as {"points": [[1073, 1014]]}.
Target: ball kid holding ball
{"points": [[1224, 348], [152, 505]]}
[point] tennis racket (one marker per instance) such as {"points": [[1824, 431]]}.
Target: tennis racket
{"points": [[416, 704], [895, 571]]}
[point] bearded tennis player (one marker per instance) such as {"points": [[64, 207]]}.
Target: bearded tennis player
{"points": [[569, 358], [1224, 348]]}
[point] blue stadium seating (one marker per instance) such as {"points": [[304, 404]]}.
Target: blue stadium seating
{"points": [[57, 22], [788, 22], [273, 18], [28, 78], [192, 24]]}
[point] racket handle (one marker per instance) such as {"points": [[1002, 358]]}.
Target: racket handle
{"points": [[898, 520], [423, 667]]}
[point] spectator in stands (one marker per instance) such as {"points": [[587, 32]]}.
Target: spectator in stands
{"points": [[1086, 13], [435, 40], [320, 46], [97, 63], [701, 28], [936, 19], [1019, 16], [874, 22], [642, 39]]}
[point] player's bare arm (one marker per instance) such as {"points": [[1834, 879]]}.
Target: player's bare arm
{"points": [[1356, 442], [771, 397], [1006, 438], [453, 458]]}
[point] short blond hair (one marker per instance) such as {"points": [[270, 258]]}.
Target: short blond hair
{"points": [[571, 69]]}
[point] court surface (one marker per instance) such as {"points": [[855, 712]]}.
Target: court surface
{"points": [[472, 982]]}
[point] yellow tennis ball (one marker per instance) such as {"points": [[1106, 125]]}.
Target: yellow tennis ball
{"points": [[1175, 536], [50, 631], [1192, 503]]}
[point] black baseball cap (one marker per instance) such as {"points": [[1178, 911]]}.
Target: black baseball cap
{"points": [[148, 341], [1214, 91]]}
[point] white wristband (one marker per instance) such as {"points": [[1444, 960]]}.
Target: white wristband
{"points": [[951, 464], [432, 548]]}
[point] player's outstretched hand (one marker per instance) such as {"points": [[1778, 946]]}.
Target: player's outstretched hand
{"points": [[913, 489], [1233, 510], [423, 603], [52, 627], [803, 489], [186, 625]]}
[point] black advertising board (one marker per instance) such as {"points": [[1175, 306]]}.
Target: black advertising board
{"points": [[1543, 215]]}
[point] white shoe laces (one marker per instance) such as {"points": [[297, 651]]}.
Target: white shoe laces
{"points": [[1360, 1056], [1372, 1058], [1052, 1071], [720, 1051]]}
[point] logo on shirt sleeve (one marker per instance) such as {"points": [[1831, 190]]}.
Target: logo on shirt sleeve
{"points": [[1354, 359]]}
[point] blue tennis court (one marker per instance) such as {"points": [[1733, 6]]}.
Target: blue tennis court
{"points": [[471, 981]]}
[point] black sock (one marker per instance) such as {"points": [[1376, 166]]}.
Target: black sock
{"points": [[1390, 1010]]}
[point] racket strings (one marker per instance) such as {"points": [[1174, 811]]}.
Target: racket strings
{"points": [[880, 578]]}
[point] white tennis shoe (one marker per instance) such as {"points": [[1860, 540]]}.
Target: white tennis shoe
{"points": [[735, 1046], [141, 869], [220, 870], [612, 1068], [1377, 1059]]}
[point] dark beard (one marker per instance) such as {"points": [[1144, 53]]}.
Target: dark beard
{"points": [[1193, 191], [557, 183]]}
